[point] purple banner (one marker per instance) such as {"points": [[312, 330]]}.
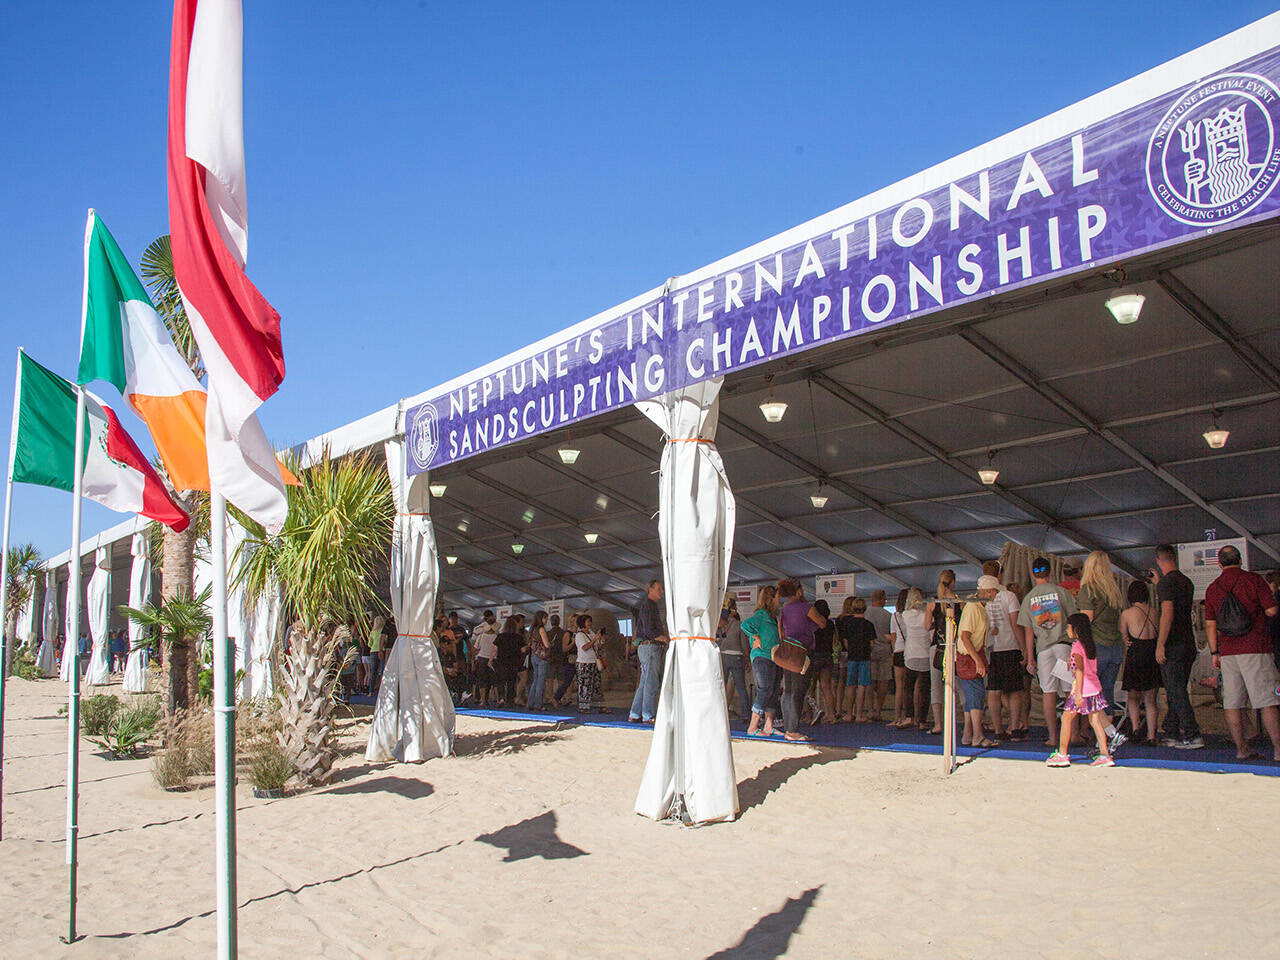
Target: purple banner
{"points": [[1199, 158]]}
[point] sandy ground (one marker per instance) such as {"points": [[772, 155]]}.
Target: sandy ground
{"points": [[525, 846]]}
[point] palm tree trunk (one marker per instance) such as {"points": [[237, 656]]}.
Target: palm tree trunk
{"points": [[307, 707], [176, 580]]}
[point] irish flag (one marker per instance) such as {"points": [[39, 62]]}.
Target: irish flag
{"points": [[116, 474], [124, 342]]}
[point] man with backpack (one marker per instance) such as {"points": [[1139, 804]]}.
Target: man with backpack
{"points": [[1236, 608]]}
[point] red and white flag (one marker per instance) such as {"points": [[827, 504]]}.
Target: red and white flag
{"points": [[237, 329]]}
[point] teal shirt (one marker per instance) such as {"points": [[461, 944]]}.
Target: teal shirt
{"points": [[763, 625]]}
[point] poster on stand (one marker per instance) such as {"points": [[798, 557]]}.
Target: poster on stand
{"points": [[834, 589], [555, 608], [1199, 560]]}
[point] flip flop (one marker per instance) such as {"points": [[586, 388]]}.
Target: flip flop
{"points": [[984, 744]]}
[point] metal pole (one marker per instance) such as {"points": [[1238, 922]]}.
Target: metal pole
{"points": [[73, 690], [5, 652], [949, 696], [224, 734]]}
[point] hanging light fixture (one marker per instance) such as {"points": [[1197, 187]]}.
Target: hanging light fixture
{"points": [[989, 473], [1216, 437], [773, 410], [517, 547], [591, 537], [463, 524], [451, 560], [819, 499], [1126, 307], [437, 490], [569, 453]]}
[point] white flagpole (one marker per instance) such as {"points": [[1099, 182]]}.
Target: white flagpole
{"points": [[73, 690], [224, 734], [5, 652]]}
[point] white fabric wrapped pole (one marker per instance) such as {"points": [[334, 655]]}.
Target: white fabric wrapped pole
{"points": [[689, 773], [99, 610], [414, 717], [64, 671], [252, 624], [135, 668], [27, 622], [47, 659]]}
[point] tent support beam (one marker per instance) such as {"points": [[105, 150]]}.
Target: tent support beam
{"points": [[1203, 314], [1012, 365]]}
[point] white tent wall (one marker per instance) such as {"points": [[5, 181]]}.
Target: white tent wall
{"points": [[46, 659], [28, 622], [414, 716], [689, 773], [69, 642], [98, 608], [135, 668], [253, 624]]}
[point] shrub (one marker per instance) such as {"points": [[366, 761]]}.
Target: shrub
{"points": [[169, 766], [128, 728], [96, 713], [270, 768], [24, 666]]}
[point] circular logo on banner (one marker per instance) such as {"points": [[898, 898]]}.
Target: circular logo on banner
{"points": [[424, 435], [1213, 157]]}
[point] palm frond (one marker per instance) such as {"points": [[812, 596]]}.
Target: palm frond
{"points": [[24, 566]]}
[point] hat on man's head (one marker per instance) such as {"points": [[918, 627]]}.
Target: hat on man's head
{"points": [[988, 582], [1039, 565]]}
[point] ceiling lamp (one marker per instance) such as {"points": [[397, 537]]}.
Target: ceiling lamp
{"points": [[1216, 437], [591, 537], [819, 499], [773, 410], [1125, 307], [437, 490], [463, 525], [989, 473], [451, 560], [569, 453], [517, 547]]}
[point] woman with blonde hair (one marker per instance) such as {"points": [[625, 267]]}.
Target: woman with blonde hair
{"points": [[1101, 602], [911, 626], [761, 631], [936, 614]]}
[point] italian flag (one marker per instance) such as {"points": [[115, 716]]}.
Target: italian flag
{"points": [[42, 449], [124, 342]]}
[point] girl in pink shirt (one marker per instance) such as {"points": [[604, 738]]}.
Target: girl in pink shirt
{"points": [[1086, 697]]}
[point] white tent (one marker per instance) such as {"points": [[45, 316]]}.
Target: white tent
{"points": [[98, 607], [135, 668], [254, 625], [28, 624], [46, 659], [69, 642], [689, 773], [414, 718]]}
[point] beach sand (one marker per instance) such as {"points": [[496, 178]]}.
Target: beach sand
{"points": [[525, 846]]}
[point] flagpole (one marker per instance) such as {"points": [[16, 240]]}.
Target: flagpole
{"points": [[224, 734], [73, 690], [5, 652]]}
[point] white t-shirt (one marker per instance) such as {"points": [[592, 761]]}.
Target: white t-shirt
{"points": [[580, 640], [485, 637], [917, 635], [999, 609]]}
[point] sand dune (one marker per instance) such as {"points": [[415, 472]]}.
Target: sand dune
{"points": [[525, 846]]}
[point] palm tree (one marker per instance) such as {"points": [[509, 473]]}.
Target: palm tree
{"points": [[24, 565], [335, 535], [177, 562], [180, 624]]}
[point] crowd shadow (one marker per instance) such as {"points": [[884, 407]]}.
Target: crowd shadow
{"points": [[504, 742], [770, 936], [753, 791], [535, 837], [402, 786], [292, 891]]}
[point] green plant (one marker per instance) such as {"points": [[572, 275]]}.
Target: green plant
{"points": [[96, 713], [24, 666], [23, 567], [128, 728], [170, 766], [270, 768]]}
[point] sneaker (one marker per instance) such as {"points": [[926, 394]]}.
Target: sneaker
{"points": [[1191, 743], [1170, 742], [1057, 759], [1116, 740], [1102, 761]]}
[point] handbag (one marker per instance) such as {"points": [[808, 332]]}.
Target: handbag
{"points": [[790, 656], [966, 667]]}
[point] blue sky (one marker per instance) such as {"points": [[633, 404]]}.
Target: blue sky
{"points": [[432, 185]]}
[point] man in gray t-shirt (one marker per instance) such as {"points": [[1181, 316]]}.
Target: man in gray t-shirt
{"points": [[1043, 619]]}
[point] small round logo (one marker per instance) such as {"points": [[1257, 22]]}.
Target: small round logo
{"points": [[423, 435], [1214, 157]]}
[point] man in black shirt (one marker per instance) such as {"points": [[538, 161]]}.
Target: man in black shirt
{"points": [[1176, 648], [651, 644]]}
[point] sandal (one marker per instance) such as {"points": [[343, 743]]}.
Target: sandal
{"points": [[986, 743]]}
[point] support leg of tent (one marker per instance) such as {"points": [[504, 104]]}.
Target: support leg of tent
{"points": [[73, 688], [224, 734]]}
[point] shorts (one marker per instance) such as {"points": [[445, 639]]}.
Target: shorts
{"points": [[880, 671], [1005, 672], [1045, 662], [899, 660], [857, 673], [975, 694], [1249, 680]]}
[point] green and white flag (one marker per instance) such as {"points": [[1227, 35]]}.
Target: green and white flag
{"points": [[116, 474]]}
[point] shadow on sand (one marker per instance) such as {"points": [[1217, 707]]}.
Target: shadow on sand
{"points": [[535, 837], [504, 742], [770, 936], [403, 786], [752, 791]]}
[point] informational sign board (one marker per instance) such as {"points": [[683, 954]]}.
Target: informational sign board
{"points": [[1199, 560], [745, 598], [1084, 188], [555, 608], [834, 589], [503, 613]]}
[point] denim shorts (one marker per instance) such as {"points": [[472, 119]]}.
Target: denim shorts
{"points": [[975, 693], [857, 673]]}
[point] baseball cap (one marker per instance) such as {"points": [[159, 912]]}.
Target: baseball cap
{"points": [[988, 582], [1039, 565]]}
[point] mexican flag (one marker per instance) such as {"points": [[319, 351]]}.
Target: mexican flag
{"points": [[116, 474]]}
